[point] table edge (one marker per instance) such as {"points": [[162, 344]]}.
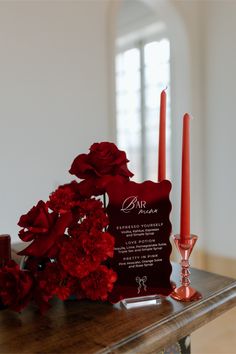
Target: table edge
{"points": [[151, 339]]}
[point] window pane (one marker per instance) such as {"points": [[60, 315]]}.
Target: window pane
{"points": [[156, 53], [131, 60], [152, 97], [119, 63], [129, 123], [130, 143], [152, 165], [164, 75], [120, 85], [152, 75], [132, 81], [164, 51], [152, 119], [157, 77], [128, 107], [128, 103]]}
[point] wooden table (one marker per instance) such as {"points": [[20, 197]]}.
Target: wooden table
{"points": [[91, 327]]}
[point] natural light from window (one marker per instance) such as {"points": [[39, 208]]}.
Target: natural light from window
{"points": [[142, 72]]}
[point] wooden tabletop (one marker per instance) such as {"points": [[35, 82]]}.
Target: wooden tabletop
{"points": [[91, 327]]}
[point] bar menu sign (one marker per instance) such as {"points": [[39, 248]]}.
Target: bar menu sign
{"points": [[139, 221]]}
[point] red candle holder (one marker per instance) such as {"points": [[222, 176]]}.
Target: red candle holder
{"points": [[185, 292]]}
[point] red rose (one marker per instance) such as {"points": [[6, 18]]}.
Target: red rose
{"points": [[38, 221], [99, 283], [44, 228], [15, 286], [103, 161]]}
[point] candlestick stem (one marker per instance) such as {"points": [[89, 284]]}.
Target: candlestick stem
{"points": [[185, 272], [185, 292]]}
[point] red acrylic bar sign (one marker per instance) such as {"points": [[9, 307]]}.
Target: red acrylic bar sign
{"points": [[139, 221]]}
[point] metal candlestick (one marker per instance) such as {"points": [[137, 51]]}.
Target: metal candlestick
{"points": [[185, 292]]}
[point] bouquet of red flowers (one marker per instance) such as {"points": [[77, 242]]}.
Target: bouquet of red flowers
{"points": [[69, 246]]}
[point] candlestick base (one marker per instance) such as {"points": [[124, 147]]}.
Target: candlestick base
{"points": [[185, 292]]}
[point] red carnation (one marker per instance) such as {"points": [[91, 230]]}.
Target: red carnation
{"points": [[103, 162], [99, 283], [97, 245], [65, 198], [81, 256], [15, 286], [92, 215], [52, 281], [74, 260]]}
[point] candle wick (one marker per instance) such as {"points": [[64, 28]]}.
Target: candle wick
{"points": [[190, 115]]}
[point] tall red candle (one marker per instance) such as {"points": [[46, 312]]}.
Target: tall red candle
{"points": [[162, 139], [185, 186], [5, 249]]}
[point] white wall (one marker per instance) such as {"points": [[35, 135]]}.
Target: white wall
{"points": [[191, 18], [53, 97], [211, 27], [220, 69]]}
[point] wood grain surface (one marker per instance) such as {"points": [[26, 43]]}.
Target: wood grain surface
{"points": [[92, 327]]}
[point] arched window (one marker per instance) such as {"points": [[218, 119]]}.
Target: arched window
{"points": [[142, 72]]}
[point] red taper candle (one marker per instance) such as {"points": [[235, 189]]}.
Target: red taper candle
{"points": [[162, 139], [185, 186], [5, 249]]}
